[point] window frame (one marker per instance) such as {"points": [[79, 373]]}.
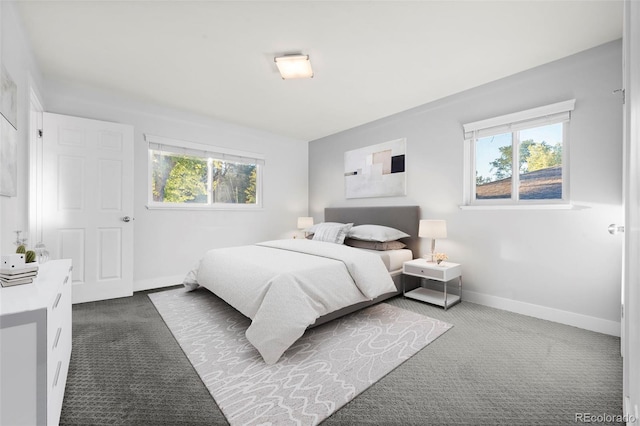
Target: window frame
{"points": [[515, 123], [205, 152]]}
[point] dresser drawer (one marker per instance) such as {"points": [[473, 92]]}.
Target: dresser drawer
{"points": [[58, 313], [58, 365]]}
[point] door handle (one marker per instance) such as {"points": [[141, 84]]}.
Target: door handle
{"points": [[615, 229], [127, 219]]}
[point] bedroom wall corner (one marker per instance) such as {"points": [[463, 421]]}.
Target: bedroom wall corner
{"points": [[561, 261]]}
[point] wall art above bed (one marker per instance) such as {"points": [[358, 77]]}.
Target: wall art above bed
{"points": [[376, 170]]}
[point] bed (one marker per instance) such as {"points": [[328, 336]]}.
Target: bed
{"points": [[287, 286]]}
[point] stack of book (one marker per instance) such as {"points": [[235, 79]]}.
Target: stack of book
{"points": [[14, 271]]}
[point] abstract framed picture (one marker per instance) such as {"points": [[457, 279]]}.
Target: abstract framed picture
{"points": [[376, 170], [9, 97], [8, 158]]}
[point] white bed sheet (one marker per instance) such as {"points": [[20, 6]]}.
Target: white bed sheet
{"points": [[393, 259]]}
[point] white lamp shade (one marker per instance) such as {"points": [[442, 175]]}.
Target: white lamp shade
{"points": [[305, 222], [294, 66], [432, 229]]}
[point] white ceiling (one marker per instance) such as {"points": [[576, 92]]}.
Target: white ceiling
{"points": [[371, 59]]}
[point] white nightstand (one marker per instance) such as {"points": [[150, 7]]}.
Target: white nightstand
{"points": [[444, 273]]}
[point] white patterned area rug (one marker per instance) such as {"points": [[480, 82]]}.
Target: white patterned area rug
{"points": [[326, 368]]}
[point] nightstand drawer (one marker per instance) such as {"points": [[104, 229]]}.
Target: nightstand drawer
{"points": [[443, 272]]}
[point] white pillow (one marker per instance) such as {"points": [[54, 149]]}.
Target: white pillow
{"points": [[376, 233], [331, 232]]}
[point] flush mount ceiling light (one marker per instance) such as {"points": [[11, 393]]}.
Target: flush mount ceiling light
{"points": [[294, 66]]}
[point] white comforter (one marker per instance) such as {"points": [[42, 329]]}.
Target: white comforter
{"points": [[285, 285]]}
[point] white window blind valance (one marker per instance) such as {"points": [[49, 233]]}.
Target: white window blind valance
{"points": [[535, 117], [203, 151]]}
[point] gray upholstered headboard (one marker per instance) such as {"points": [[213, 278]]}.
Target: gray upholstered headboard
{"points": [[404, 218]]}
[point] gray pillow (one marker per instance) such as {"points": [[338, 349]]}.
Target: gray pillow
{"points": [[375, 245]]}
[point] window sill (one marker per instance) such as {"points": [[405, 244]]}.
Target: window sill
{"points": [[203, 208], [519, 207]]}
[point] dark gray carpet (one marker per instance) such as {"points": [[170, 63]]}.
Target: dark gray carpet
{"points": [[493, 367], [127, 369]]}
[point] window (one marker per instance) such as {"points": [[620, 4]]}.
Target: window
{"points": [[520, 158], [188, 175]]}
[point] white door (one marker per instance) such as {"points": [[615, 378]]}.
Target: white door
{"points": [[631, 274], [87, 194]]}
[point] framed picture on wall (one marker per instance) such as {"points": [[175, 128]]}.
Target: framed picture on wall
{"points": [[8, 158], [8, 134], [376, 170], [9, 97]]}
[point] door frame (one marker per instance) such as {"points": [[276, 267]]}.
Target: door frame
{"points": [[36, 109], [630, 335]]}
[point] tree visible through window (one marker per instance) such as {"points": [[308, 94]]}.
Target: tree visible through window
{"points": [[179, 179], [202, 180], [521, 158], [539, 164]]}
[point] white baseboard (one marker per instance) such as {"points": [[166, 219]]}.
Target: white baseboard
{"points": [[550, 314], [159, 282]]}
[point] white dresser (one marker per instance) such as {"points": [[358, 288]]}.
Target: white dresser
{"points": [[35, 346]]}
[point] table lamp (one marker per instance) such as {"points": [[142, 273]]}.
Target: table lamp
{"points": [[432, 229], [304, 223]]}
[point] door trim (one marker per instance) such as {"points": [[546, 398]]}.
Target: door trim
{"points": [[36, 110]]}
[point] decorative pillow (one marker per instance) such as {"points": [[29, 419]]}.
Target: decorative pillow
{"points": [[331, 232], [376, 233], [375, 245], [313, 228]]}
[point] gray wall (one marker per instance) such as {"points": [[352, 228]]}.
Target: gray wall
{"points": [[560, 265]]}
